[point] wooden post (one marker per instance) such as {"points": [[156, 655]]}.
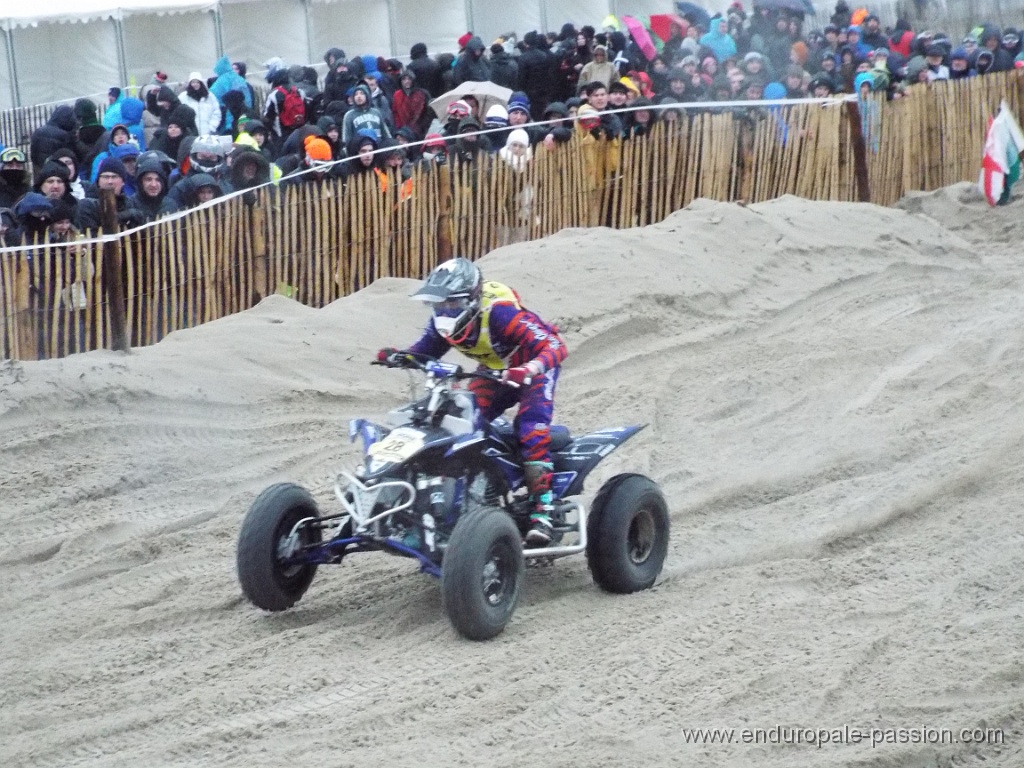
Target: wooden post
{"points": [[24, 345], [860, 157], [444, 215], [258, 235], [113, 284]]}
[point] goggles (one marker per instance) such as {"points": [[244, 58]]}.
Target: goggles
{"points": [[452, 318], [453, 308], [12, 155]]}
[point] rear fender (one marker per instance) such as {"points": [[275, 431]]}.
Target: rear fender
{"points": [[574, 462]]}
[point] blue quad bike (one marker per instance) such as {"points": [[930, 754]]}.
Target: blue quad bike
{"points": [[441, 486]]}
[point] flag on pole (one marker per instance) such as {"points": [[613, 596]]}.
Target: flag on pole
{"points": [[1000, 167]]}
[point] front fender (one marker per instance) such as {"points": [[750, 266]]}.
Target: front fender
{"points": [[367, 430]]}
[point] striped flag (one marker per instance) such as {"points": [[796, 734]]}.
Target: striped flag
{"points": [[1000, 166]]}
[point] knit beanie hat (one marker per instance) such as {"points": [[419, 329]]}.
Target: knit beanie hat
{"points": [[497, 117], [53, 168], [317, 148], [518, 104], [518, 136], [113, 165], [85, 111]]}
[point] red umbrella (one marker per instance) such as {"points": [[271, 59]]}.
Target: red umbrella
{"points": [[640, 36], [661, 24]]}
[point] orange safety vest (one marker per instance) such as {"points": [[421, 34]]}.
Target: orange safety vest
{"points": [[405, 191]]}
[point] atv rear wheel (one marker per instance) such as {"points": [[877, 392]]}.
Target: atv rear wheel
{"points": [[268, 539], [627, 534], [482, 573]]}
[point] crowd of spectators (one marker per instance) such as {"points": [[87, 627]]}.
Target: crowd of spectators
{"points": [[169, 150]]}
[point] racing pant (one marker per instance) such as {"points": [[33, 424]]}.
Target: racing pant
{"points": [[533, 424]]}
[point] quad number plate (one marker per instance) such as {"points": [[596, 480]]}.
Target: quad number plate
{"points": [[398, 446]]}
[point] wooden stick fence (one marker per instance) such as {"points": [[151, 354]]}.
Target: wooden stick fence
{"points": [[320, 240]]}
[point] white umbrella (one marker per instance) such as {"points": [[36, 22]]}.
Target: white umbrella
{"points": [[486, 93]]}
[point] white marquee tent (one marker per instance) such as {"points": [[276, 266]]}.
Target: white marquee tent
{"points": [[62, 49]]}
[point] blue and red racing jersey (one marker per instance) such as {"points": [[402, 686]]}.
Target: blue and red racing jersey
{"points": [[508, 335]]}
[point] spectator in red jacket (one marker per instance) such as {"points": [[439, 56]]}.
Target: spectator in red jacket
{"points": [[409, 105]]}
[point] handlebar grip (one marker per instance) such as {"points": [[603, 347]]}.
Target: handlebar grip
{"points": [[403, 361]]}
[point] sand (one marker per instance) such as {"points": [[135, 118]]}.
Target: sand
{"points": [[834, 401]]}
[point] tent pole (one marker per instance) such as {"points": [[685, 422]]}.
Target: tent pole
{"points": [[393, 28], [122, 58], [218, 30], [469, 15], [307, 7], [544, 16], [12, 67]]}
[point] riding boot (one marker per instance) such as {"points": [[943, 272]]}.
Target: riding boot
{"points": [[538, 482]]}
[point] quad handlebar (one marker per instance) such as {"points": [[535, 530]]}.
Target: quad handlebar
{"points": [[426, 364]]}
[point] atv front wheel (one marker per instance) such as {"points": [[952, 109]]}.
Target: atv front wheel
{"points": [[269, 539], [482, 573], [627, 534]]}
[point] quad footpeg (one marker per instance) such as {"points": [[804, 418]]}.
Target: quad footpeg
{"points": [[549, 553]]}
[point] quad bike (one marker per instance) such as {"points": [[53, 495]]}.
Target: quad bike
{"points": [[443, 487]]}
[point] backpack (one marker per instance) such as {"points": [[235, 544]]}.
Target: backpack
{"points": [[293, 108]]}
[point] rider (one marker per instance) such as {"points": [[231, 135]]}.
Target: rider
{"points": [[486, 322]]}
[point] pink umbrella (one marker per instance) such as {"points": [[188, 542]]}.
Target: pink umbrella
{"points": [[640, 36]]}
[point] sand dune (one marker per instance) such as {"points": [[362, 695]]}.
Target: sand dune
{"points": [[834, 394]]}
